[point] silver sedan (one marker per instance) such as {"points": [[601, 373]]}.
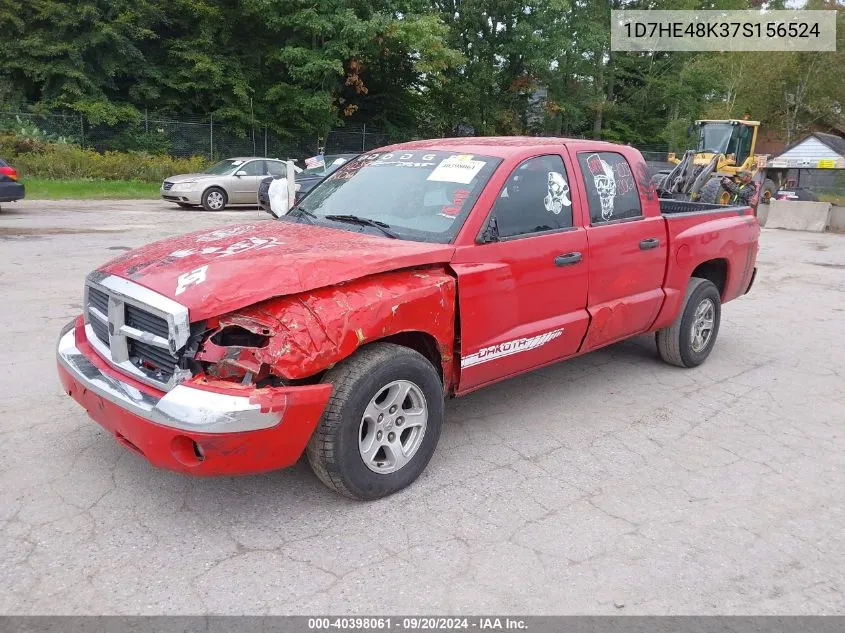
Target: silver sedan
{"points": [[231, 181]]}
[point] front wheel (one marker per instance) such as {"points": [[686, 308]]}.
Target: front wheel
{"points": [[214, 199], [381, 424], [690, 339]]}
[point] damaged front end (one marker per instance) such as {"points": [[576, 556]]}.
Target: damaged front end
{"points": [[294, 340], [242, 392]]}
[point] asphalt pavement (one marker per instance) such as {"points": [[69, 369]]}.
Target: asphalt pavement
{"points": [[610, 484]]}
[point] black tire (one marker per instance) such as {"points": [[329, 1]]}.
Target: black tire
{"points": [[333, 449], [209, 199], [675, 343], [767, 192], [713, 193], [185, 205]]}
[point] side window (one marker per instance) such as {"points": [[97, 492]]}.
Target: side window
{"points": [[275, 168], [611, 191], [254, 168], [535, 198]]}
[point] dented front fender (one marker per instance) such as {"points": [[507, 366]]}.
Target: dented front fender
{"points": [[298, 336]]}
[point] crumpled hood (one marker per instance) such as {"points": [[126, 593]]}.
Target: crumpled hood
{"points": [[215, 271]]}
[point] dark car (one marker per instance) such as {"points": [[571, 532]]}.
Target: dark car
{"points": [[10, 188], [306, 180]]}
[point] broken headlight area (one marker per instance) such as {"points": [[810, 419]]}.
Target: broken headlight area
{"points": [[239, 349]]}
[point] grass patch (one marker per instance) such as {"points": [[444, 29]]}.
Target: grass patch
{"points": [[832, 198], [44, 189]]}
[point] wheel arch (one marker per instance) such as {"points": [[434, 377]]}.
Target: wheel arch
{"points": [[421, 342], [714, 270]]}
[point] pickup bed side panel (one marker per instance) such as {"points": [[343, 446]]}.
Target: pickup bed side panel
{"points": [[698, 238], [298, 336]]}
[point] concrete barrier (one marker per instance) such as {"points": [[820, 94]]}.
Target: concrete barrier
{"points": [[762, 214], [837, 219], [797, 215]]}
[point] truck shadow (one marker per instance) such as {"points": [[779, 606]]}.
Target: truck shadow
{"points": [[491, 409]]}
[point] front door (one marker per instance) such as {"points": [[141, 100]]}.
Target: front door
{"points": [[523, 294], [627, 252]]}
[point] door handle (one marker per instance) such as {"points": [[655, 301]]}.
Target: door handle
{"points": [[568, 259], [648, 243]]}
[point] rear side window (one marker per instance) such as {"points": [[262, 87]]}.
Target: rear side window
{"points": [[611, 191], [275, 168], [534, 199]]}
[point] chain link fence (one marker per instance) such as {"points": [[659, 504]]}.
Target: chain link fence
{"points": [[196, 136], [187, 137]]}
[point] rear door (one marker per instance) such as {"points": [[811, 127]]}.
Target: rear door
{"points": [[246, 187], [628, 250], [523, 293]]}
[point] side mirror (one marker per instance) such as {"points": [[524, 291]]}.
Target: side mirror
{"points": [[240, 173]]}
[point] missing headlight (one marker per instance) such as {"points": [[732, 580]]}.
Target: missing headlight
{"points": [[236, 336]]}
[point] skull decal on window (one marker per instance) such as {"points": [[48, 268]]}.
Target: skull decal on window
{"points": [[605, 183], [558, 196]]}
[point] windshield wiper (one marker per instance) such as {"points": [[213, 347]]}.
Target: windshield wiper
{"points": [[299, 212], [356, 219]]}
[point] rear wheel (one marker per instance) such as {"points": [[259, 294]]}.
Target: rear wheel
{"points": [[690, 339], [214, 199], [382, 422], [713, 193]]}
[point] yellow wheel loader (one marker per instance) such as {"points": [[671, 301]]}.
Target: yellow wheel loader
{"points": [[723, 147]]}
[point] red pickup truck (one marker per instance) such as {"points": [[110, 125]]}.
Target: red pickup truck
{"points": [[415, 272]]}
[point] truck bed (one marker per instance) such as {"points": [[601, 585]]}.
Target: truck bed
{"points": [[671, 207]]}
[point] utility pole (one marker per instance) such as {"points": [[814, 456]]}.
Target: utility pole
{"points": [[252, 116], [211, 137]]}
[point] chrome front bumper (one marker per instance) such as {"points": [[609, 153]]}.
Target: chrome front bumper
{"points": [[183, 407]]}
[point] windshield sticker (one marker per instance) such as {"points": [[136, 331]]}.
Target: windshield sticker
{"points": [[558, 196], [458, 198], [604, 181], [508, 348], [237, 162], [193, 278], [459, 169]]}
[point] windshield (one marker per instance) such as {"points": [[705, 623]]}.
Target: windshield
{"points": [[333, 163], [423, 195], [714, 137], [223, 167]]}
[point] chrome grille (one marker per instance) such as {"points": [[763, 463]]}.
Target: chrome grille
{"points": [[99, 300], [161, 362], [142, 320], [101, 330], [136, 329]]}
